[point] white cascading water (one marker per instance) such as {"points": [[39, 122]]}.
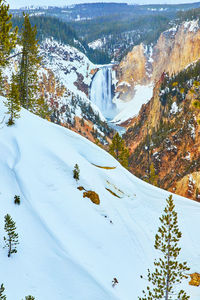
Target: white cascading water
{"points": [[101, 92]]}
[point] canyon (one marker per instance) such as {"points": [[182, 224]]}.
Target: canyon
{"points": [[167, 131]]}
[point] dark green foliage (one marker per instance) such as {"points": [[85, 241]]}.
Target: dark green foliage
{"points": [[13, 101], [117, 27], [118, 149], [11, 240], [64, 33], [76, 172], [10, 122], [192, 14], [17, 199], [7, 36], [2, 289], [29, 297], [50, 27], [41, 108], [152, 178], [168, 270], [28, 78]]}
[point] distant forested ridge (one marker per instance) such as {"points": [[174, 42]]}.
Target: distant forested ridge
{"points": [[64, 33], [118, 27]]}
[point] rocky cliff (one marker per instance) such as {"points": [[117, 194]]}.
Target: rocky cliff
{"points": [[131, 71], [175, 50], [164, 137]]}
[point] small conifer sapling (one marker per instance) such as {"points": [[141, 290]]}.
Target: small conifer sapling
{"points": [[29, 297], [76, 172], [2, 289], [17, 199], [11, 240]]}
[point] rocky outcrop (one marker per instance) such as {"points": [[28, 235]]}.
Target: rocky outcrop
{"points": [[176, 49], [72, 67], [188, 186], [94, 197], [131, 71], [195, 279]]}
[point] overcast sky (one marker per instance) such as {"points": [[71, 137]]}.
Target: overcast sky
{"points": [[22, 3]]}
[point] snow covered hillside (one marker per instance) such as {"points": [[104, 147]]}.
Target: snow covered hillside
{"points": [[131, 108], [64, 82], [70, 248], [70, 65]]}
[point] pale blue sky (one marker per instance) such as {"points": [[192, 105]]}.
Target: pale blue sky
{"points": [[22, 3]]}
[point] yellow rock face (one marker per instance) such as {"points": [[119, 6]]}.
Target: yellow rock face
{"points": [[189, 186], [131, 71], [174, 51], [195, 279]]}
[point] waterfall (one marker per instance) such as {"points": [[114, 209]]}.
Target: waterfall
{"points": [[101, 92]]}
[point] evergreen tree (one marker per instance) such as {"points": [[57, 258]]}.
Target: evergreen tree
{"points": [[17, 199], [168, 271], [42, 108], [29, 297], [13, 102], [11, 241], [152, 177], [28, 78], [76, 172], [118, 149], [7, 36], [2, 289]]}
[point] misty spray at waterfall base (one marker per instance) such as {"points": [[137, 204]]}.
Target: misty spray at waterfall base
{"points": [[101, 92]]}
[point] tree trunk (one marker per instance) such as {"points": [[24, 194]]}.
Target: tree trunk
{"points": [[148, 152], [9, 249], [26, 81], [168, 259]]}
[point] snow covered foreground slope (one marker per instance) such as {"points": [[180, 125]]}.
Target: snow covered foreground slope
{"points": [[70, 248]]}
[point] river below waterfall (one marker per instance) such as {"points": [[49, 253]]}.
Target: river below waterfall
{"points": [[121, 130]]}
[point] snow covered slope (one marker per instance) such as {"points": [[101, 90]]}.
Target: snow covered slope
{"points": [[70, 65], [70, 248], [64, 82], [130, 109]]}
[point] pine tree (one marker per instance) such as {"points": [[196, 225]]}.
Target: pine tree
{"points": [[118, 149], [17, 199], [2, 289], [76, 172], [28, 78], [168, 271], [152, 177], [11, 241], [42, 108], [7, 36], [13, 102], [29, 297]]}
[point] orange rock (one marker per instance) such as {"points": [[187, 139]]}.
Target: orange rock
{"points": [[195, 279], [94, 197], [93, 71], [80, 188]]}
